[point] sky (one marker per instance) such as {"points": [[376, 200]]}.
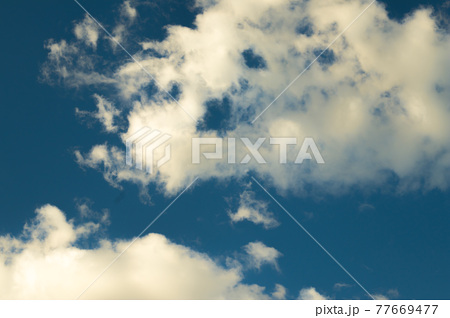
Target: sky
{"points": [[376, 104]]}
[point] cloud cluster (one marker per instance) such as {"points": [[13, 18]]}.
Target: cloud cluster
{"points": [[253, 210], [260, 254], [376, 103], [311, 294], [390, 294], [87, 31], [47, 262]]}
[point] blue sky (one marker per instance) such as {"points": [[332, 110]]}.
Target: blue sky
{"points": [[394, 242]]}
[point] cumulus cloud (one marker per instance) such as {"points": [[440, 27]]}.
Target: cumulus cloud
{"points": [[46, 262], [254, 211], [260, 254], [128, 10], [376, 103], [280, 292], [380, 297], [311, 294], [87, 31], [390, 294], [121, 31]]}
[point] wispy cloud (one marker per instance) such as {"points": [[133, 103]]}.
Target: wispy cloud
{"points": [[106, 113]]}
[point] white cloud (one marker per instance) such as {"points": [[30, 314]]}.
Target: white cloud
{"points": [[393, 293], [376, 112], [254, 211], [260, 254], [311, 294], [72, 65], [84, 207], [128, 10], [106, 113], [110, 161], [47, 263], [390, 294], [280, 292], [121, 31], [87, 31], [380, 297]]}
